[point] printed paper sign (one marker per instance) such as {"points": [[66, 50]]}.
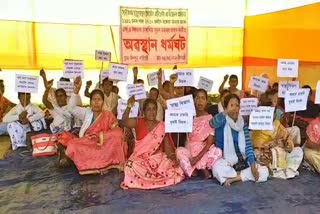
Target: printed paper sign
{"points": [[136, 90], [153, 78], [67, 86], [178, 121], [296, 100], [247, 105], [184, 77], [287, 68], [185, 103], [104, 74], [259, 83], [26, 83], [205, 84], [118, 72], [287, 86], [103, 55], [73, 69], [261, 118], [317, 100], [122, 106]]}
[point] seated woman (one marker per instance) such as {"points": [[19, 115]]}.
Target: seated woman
{"points": [[153, 161], [275, 150], [199, 152], [20, 118], [232, 137], [312, 145], [100, 145]]}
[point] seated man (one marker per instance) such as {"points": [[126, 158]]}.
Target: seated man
{"points": [[5, 106]]}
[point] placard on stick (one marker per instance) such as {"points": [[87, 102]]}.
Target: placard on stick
{"points": [[67, 86], [73, 69], [287, 86], [118, 71], [178, 121], [104, 74], [184, 77], [185, 103], [153, 78], [296, 100], [287, 67], [136, 90], [261, 118], [259, 83], [26, 83], [247, 105], [205, 83], [103, 55], [317, 100], [122, 106]]}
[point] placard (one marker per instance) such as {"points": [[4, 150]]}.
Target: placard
{"points": [[178, 121], [287, 86], [73, 69], [205, 83], [103, 55], [67, 86], [287, 67], [185, 103], [184, 77], [118, 72], [122, 106], [259, 83], [317, 100], [296, 100], [103, 74], [153, 78], [26, 83], [136, 90], [261, 118], [247, 105]]}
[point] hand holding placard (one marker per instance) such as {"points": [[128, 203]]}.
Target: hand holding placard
{"points": [[261, 118], [296, 100]]}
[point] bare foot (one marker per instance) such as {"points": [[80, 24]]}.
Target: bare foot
{"points": [[229, 181], [207, 174]]}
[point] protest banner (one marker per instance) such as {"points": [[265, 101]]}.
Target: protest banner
{"points": [[205, 84], [287, 86], [258, 83], [118, 72], [184, 77], [261, 118], [178, 121], [185, 103], [122, 106], [136, 90], [67, 86], [287, 68], [247, 105], [103, 55], [73, 69], [104, 74], [26, 83], [296, 100], [153, 36], [317, 100], [153, 78]]}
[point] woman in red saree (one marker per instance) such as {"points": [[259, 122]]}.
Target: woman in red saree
{"points": [[153, 161], [100, 145], [199, 152]]}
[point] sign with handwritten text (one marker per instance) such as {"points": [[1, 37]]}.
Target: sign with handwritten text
{"points": [[103, 74], [285, 86], [178, 121], [317, 100], [205, 84], [73, 69], [258, 83], [118, 72], [184, 77], [261, 118], [247, 105], [287, 67], [122, 106], [185, 103], [296, 100], [153, 78], [136, 90], [26, 83], [67, 86], [103, 55]]}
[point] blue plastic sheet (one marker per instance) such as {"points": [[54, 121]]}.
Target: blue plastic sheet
{"points": [[35, 185]]}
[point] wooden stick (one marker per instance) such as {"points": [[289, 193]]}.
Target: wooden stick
{"points": [[178, 141], [294, 118]]}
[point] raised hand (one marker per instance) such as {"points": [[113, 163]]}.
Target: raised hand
{"points": [[49, 84], [135, 71], [42, 73], [173, 78], [89, 84], [77, 85], [226, 77], [131, 102]]}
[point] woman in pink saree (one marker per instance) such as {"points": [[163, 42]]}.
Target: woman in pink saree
{"points": [[199, 152], [153, 163], [100, 145], [312, 145]]}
